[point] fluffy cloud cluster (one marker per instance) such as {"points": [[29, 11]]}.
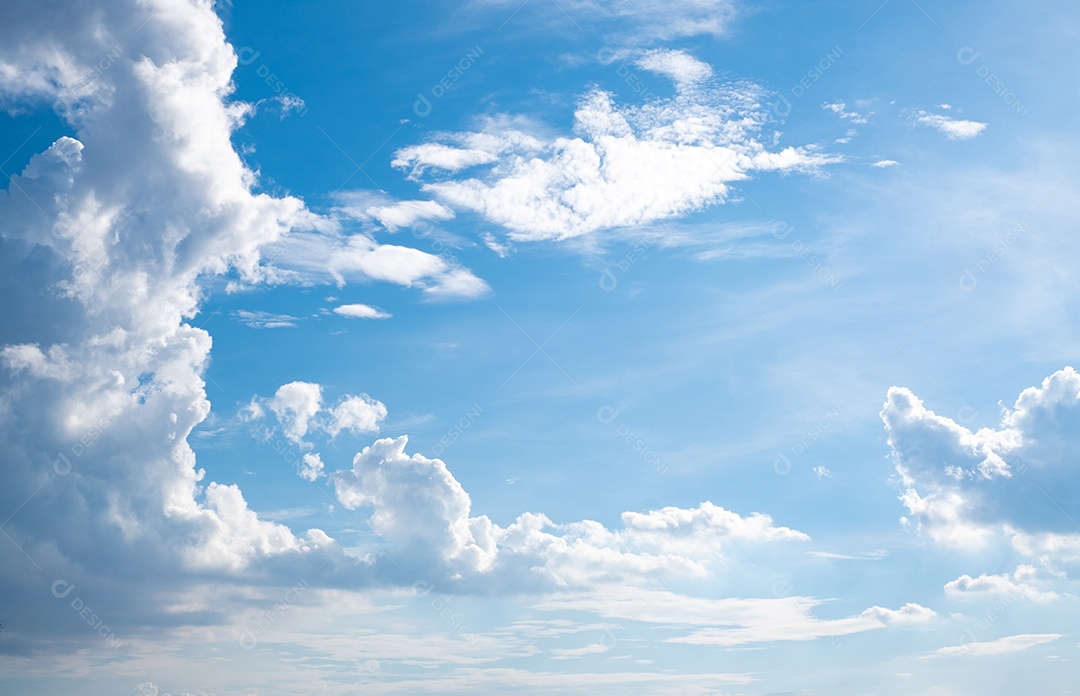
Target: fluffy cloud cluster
{"points": [[1018, 480], [108, 234], [625, 165], [1019, 584], [107, 238], [418, 506], [297, 407]]}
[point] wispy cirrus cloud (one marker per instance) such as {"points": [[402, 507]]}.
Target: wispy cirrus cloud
{"points": [[259, 319], [954, 129], [635, 21], [1001, 646]]}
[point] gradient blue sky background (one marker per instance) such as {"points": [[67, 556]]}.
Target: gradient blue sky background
{"points": [[713, 347]]}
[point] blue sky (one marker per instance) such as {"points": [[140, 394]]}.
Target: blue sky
{"points": [[577, 346]]}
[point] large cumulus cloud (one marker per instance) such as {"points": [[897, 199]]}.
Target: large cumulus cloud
{"points": [[1017, 481]]}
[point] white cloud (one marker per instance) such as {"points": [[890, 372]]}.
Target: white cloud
{"points": [[333, 257], [1064, 548], [664, 20], [389, 213], [298, 408], [791, 620], [417, 504], [420, 507], [311, 467], [822, 472], [129, 215], [625, 165], [493, 679], [295, 404], [830, 555], [883, 164], [1016, 482], [1004, 585], [361, 311], [126, 218], [641, 20], [952, 128], [570, 653], [451, 159], [733, 621], [408, 213], [265, 320], [839, 108], [137, 216], [234, 534], [681, 68], [491, 242], [701, 531], [357, 414], [1001, 646]]}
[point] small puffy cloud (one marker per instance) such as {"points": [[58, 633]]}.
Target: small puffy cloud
{"points": [[839, 108], [295, 404], [822, 472], [701, 531], [1003, 585], [361, 311], [884, 164], [1001, 646], [357, 414], [908, 615], [311, 467], [622, 166], [953, 129]]}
